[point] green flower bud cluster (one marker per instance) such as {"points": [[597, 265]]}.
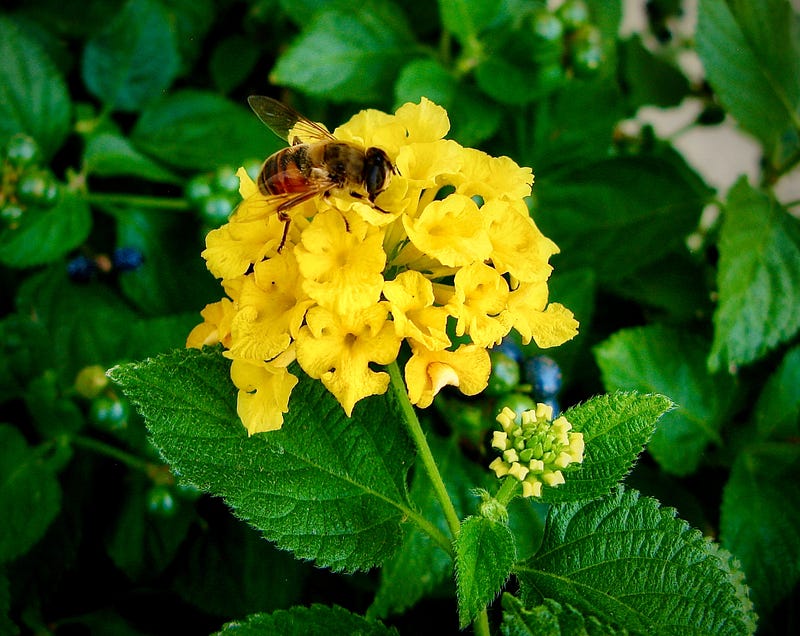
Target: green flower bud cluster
{"points": [[565, 41], [25, 184], [535, 449], [215, 194]]}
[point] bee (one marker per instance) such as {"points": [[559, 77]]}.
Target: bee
{"points": [[315, 167]]}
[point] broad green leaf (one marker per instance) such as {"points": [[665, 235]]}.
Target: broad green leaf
{"points": [[301, 11], [674, 289], [30, 495], [340, 480], [511, 80], [317, 620], [580, 122], [777, 411], [760, 520], [485, 552], [33, 95], [142, 544], [109, 154], [758, 278], [420, 566], [52, 412], [616, 215], [45, 235], [164, 237], [650, 80], [24, 352], [232, 60], [549, 619], [633, 564], [751, 55], [134, 59], [196, 130], [465, 19], [92, 16], [671, 361], [615, 429], [364, 45], [425, 77], [230, 570], [86, 324], [192, 19]]}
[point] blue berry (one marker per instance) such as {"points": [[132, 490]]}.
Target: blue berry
{"points": [[81, 269], [544, 376], [127, 259]]}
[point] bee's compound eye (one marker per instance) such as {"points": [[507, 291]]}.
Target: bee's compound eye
{"points": [[376, 171]]}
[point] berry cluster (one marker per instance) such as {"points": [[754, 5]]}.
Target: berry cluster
{"points": [[27, 187], [214, 195]]}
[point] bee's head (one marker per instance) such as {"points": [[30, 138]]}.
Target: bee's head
{"points": [[378, 171]]}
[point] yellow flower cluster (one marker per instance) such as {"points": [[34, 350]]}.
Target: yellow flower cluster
{"points": [[535, 448], [449, 249]]}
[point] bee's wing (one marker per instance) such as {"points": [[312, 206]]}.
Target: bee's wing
{"points": [[286, 122]]}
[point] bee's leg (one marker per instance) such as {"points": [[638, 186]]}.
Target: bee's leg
{"points": [[286, 219], [358, 195], [327, 194]]}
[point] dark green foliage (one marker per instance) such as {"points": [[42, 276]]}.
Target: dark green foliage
{"points": [[121, 127]]}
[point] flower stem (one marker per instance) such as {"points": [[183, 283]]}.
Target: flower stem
{"points": [[424, 451], [108, 450], [139, 201]]}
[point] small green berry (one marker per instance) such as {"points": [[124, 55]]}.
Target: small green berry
{"points": [[22, 150]]}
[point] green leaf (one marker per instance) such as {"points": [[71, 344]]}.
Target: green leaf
{"points": [[229, 570], [615, 429], [751, 55], [420, 566], [52, 412], [30, 496], [143, 544], [580, 122], [86, 324], [633, 564], [485, 552], [760, 520], [365, 43], [549, 619], [425, 78], [777, 411], [340, 480], [674, 289], [134, 59], [616, 215], [466, 18], [161, 237], [507, 79], [109, 154], [45, 235], [651, 80], [758, 278], [317, 620], [200, 131], [671, 361], [232, 60], [33, 95]]}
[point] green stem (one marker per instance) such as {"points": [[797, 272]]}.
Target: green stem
{"points": [[507, 491], [108, 450], [424, 451], [481, 624], [139, 201]]}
